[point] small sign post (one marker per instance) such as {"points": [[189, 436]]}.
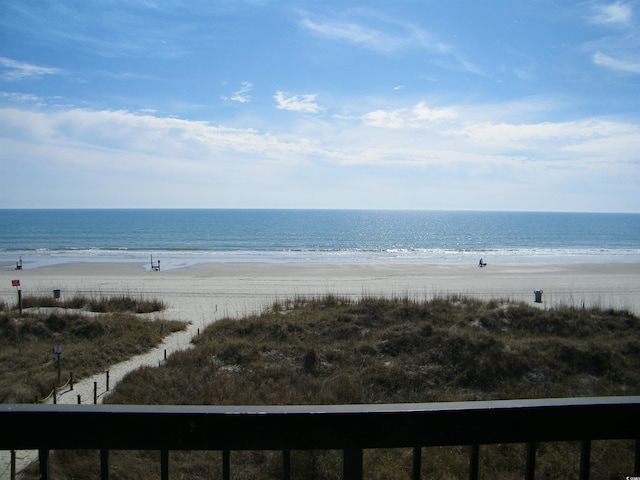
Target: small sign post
{"points": [[57, 349], [16, 283]]}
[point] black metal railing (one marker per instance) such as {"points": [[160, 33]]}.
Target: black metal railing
{"points": [[350, 428]]}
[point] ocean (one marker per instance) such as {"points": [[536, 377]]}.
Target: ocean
{"points": [[181, 237]]}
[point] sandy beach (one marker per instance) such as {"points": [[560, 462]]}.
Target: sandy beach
{"points": [[194, 292], [204, 293]]}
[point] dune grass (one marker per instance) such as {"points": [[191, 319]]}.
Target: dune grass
{"points": [[97, 303], [90, 343]]}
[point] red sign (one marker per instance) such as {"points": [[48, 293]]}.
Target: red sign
{"points": [[15, 283]]}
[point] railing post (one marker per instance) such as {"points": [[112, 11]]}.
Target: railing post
{"points": [[417, 463], [585, 459], [474, 456], [104, 464], [352, 464], [286, 464], [226, 465], [13, 465], [530, 466], [43, 460], [164, 464]]}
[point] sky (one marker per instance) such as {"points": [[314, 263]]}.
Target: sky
{"points": [[518, 105]]}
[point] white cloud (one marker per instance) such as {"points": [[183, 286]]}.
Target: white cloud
{"points": [[615, 13], [218, 163], [628, 66], [121, 136], [297, 103], [241, 95], [420, 115], [372, 31], [20, 97], [354, 33], [15, 71], [369, 30], [566, 141]]}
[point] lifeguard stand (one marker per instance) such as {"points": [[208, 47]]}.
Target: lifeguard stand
{"points": [[155, 266]]}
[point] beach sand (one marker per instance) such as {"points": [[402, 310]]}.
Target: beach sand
{"points": [[204, 293], [244, 288]]}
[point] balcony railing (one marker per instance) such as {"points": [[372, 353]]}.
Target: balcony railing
{"points": [[350, 428]]}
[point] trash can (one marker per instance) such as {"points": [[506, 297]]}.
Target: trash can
{"points": [[538, 295], [56, 294]]}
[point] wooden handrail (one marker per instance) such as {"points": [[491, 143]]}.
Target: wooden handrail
{"points": [[350, 428]]}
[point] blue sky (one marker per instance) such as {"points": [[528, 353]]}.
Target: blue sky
{"points": [[404, 104]]}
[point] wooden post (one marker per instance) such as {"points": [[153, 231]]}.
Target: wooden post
{"points": [[164, 464], [474, 456], [107, 380], [71, 380], [79, 400], [55, 400], [585, 459], [58, 368], [530, 466], [226, 465], [104, 463], [417, 463], [43, 460], [286, 464], [95, 393], [20, 301], [13, 465], [352, 464]]}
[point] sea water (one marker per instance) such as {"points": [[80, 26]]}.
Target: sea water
{"points": [[182, 237]]}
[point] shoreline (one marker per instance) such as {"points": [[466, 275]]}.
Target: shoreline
{"points": [[242, 287]]}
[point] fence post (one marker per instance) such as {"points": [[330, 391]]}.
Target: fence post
{"points": [[55, 400], [530, 467], [226, 465], [417, 463], [164, 464], [107, 380], [352, 464], [71, 380], [95, 393], [286, 464], [474, 457], [13, 465], [104, 464], [585, 459], [43, 460]]}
